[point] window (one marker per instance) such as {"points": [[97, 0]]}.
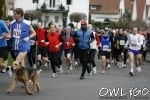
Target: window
{"points": [[11, 6], [69, 2], [148, 18], [35, 1], [46, 18], [52, 3], [56, 19], [93, 7]]}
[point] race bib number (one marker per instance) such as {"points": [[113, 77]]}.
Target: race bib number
{"points": [[16, 33], [122, 42], [133, 43], [105, 48]]}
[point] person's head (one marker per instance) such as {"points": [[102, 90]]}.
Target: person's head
{"points": [[84, 25], [39, 25], [106, 29], [90, 26], [18, 13], [68, 29], [105, 33], [135, 30], [58, 28], [121, 31], [7, 22], [52, 28], [71, 25], [126, 33], [114, 32]]}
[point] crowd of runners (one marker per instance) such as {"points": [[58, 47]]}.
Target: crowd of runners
{"points": [[78, 46]]}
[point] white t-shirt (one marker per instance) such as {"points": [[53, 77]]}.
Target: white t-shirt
{"points": [[93, 44], [142, 39], [134, 39]]}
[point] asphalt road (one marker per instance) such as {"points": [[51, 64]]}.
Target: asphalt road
{"points": [[70, 87]]}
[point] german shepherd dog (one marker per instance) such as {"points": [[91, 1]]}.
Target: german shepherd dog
{"points": [[24, 74]]}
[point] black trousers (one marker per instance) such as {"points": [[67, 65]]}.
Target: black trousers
{"points": [[31, 55], [83, 56], [55, 60], [125, 55], [76, 52], [144, 54], [92, 57]]}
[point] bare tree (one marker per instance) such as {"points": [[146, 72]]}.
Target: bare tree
{"points": [[77, 16]]}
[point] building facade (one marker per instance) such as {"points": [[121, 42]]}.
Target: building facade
{"points": [[104, 9], [116, 9], [56, 11], [9, 7]]}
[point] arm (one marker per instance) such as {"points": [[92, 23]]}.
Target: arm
{"points": [[61, 40], [97, 39], [6, 32], [76, 38], [46, 39], [140, 40], [92, 38], [128, 41], [33, 33]]}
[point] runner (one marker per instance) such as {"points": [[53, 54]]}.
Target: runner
{"points": [[54, 41], [68, 48], [84, 36], [121, 41], [105, 50], [93, 48], [4, 35], [134, 50], [42, 49], [21, 32]]}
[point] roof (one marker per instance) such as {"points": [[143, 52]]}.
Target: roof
{"points": [[112, 7], [107, 6]]}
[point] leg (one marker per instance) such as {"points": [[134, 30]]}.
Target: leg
{"points": [[28, 91], [53, 65], [21, 58], [12, 86], [34, 80], [125, 56], [138, 60], [37, 83], [38, 86], [131, 56], [103, 64]]}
